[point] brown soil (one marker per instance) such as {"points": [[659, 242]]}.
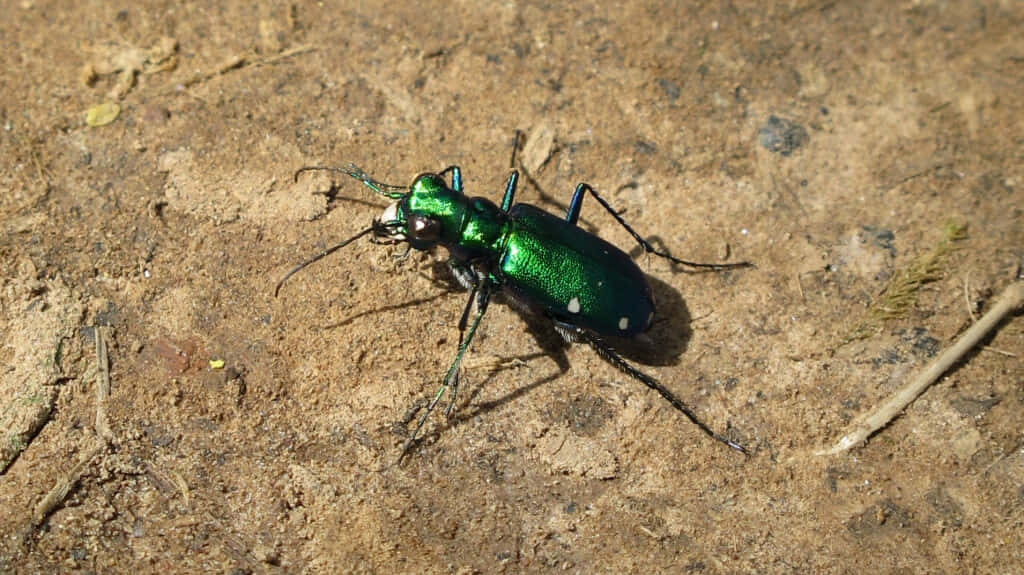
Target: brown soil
{"points": [[829, 143]]}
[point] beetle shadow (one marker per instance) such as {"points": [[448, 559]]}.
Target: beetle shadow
{"points": [[669, 336], [662, 345], [384, 309]]}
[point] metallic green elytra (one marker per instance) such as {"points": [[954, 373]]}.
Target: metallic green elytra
{"points": [[573, 275], [588, 288]]}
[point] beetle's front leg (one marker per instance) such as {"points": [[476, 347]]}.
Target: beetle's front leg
{"points": [[463, 273], [482, 297], [481, 294]]}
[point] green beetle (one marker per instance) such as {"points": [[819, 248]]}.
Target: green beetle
{"points": [[587, 287]]}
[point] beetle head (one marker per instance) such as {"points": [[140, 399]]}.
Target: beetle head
{"points": [[399, 223]]}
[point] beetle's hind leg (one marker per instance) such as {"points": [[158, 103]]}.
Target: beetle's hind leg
{"points": [[573, 216], [574, 333]]}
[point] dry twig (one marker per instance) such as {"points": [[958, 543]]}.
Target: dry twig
{"points": [[104, 435], [102, 384], [63, 486], [1011, 299]]}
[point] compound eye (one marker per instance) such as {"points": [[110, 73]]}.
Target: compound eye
{"points": [[423, 229]]}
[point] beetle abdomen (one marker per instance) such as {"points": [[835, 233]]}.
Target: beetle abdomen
{"points": [[573, 275]]}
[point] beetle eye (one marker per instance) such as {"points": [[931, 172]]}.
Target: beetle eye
{"points": [[424, 229]]}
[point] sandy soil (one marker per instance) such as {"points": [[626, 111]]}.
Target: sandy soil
{"points": [[163, 412]]}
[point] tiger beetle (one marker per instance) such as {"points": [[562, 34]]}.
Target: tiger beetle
{"points": [[588, 288]]}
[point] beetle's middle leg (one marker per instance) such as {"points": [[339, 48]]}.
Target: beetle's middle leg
{"points": [[573, 216]]}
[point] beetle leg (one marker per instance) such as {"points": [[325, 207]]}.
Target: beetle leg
{"points": [[463, 273], [513, 178], [573, 215], [567, 331], [510, 190], [456, 177], [471, 279], [473, 295], [482, 297], [515, 146], [610, 356]]}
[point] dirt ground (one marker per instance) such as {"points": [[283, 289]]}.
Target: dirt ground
{"points": [[162, 411]]}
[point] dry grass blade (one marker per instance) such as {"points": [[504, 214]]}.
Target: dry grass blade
{"points": [[901, 293]]}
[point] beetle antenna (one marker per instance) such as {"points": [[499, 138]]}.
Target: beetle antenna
{"points": [[389, 191], [320, 256]]}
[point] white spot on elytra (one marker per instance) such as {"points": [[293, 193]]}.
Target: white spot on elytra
{"points": [[419, 225], [574, 305], [623, 322]]}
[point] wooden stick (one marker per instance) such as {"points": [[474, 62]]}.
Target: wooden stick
{"points": [[1011, 299]]}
